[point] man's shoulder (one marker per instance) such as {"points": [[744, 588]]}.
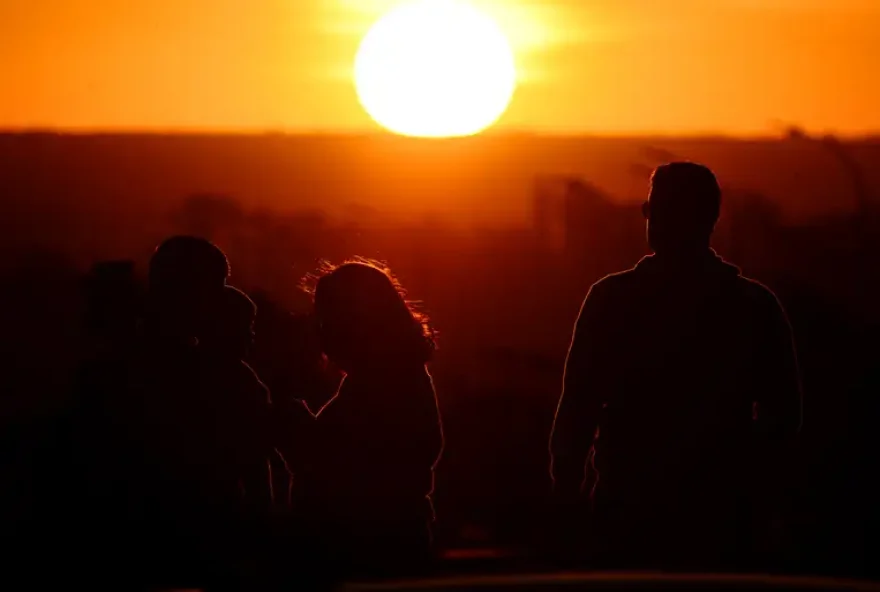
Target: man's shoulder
{"points": [[758, 294], [615, 283]]}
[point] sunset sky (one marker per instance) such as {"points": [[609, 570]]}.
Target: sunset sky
{"points": [[599, 66]]}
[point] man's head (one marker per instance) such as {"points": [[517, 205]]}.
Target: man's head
{"points": [[188, 263], [682, 209], [187, 276], [232, 331]]}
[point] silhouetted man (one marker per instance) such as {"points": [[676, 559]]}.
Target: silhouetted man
{"points": [[187, 276], [681, 380], [168, 439], [134, 448]]}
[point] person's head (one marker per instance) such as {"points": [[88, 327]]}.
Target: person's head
{"points": [[683, 207], [365, 321], [232, 331], [188, 263], [187, 275]]}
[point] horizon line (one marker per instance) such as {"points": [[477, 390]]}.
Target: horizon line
{"points": [[500, 133]]}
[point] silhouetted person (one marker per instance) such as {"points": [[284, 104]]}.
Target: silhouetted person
{"points": [[376, 443], [112, 316], [113, 303], [71, 489], [243, 428], [165, 435], [681, 384], [241, 395]]}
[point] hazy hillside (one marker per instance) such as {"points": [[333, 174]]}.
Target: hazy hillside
{"points": [[474, 177], [108, 195]]}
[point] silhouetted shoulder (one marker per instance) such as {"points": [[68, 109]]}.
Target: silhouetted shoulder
{"points": [[615, 283], [620, 278], [762, 299]]}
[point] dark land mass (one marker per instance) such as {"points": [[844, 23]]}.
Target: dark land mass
{"points": [[494, 237]]}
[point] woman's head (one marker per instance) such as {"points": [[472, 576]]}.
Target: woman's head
{"points": [[365, 319]]}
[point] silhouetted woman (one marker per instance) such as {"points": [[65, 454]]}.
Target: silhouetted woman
{"points": [[377, 441]]}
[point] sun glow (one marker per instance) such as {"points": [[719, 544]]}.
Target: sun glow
{"points": [[435, 68]]}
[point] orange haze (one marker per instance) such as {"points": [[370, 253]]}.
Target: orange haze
{"points": [[599, 66]]}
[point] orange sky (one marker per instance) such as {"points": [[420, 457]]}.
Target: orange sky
{"points": [[606, 66]]}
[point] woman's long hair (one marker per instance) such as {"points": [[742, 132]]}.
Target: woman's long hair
{"points": [[365, 318]]}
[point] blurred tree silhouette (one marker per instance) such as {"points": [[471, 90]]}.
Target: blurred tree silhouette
{"points": [[207, 214]]}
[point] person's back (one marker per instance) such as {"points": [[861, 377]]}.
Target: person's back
{"points": [[679, 364], [376, 443], [378, 471], [686, 355]]}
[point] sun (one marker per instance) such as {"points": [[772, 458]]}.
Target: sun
{"points": [[435, 68]]}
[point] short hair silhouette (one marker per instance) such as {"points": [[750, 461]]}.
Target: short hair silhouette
{"points": [[683, 207], [233, 330], [238, 306], [365, 317], [188, 263]]}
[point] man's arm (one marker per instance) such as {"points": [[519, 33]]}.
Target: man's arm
{"points": [[577, 414], [780, 399], [779, 415]]}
